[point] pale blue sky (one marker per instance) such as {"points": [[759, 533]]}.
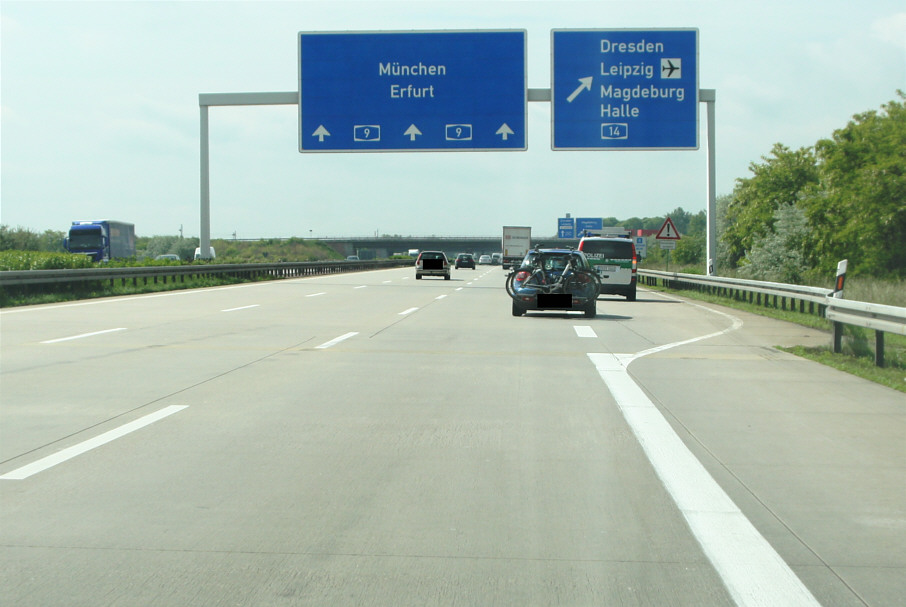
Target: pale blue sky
{"points": [[100, 114]]}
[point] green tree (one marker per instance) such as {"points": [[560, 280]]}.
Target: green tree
{"points": [[779, 255], [19, 239], [784, 178], [680, 219], [860, 211]]}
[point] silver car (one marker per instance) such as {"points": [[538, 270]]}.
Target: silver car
{"points": [[432, 263]]}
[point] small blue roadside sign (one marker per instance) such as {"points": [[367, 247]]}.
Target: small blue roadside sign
{"points": [[412, 91], [641, 246], [566, 227], [624, 89]]}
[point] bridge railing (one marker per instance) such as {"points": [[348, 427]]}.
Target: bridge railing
{"points": [[813, 300]]}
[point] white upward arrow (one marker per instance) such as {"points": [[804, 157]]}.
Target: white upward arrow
{"points": [[585, 86], [321, 133], [412, 132], [505, 131]]}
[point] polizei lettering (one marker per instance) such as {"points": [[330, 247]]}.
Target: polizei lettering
{"points": [[410, 91]]}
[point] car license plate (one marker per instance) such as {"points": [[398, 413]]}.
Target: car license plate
{"points": [[608, 268]]}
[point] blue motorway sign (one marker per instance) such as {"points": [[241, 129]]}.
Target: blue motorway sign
{"points": [[566, 227], [589, 224], [412, 91], [624, 89]]}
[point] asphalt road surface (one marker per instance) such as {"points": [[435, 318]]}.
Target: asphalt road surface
{"points": [[370, 439]]}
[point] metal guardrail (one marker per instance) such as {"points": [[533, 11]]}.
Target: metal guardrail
{"points": [[249, 271], [879, 317]]}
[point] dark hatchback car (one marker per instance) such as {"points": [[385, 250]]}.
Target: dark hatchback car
{"points": [[556, 280], [465, 260]]}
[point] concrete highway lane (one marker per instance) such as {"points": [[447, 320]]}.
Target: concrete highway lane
{"points": [[370, 439]]}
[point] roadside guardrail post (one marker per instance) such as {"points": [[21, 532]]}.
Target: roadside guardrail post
{"points": [[838, 337]]}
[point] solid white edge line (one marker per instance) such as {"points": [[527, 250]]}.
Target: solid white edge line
{"points": [[54, 341], [336, 340], [584, 331], [753, 572], [70, 452]]}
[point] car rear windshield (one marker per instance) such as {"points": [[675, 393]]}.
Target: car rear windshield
{"points": [[427, 255], [556, 262], [610, 249]]}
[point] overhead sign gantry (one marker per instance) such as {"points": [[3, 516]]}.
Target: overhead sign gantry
{"points": [[466, 91]]}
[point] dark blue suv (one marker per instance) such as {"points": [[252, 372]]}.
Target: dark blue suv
{"points": [[554, 279]]}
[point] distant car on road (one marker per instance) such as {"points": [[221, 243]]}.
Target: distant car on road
{"points": [[352, 258], [496, 259], [484, 260], [167, 257], [465, 260], [432, 263]]}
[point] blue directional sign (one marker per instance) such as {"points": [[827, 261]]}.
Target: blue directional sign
{"points": [[566, 227], [589, 224], [624, 89], [412, 91]]}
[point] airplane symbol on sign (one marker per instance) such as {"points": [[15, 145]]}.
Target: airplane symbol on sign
{"points": [[667, 66]]}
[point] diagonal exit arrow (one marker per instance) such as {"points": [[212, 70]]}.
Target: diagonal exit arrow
{"points": [[412, 132], [585, 86], [321, 133], [505, 131]]}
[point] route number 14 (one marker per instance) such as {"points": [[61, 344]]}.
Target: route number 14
{"points": [[614, 130]]}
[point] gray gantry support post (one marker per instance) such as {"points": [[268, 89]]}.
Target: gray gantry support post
{"points": [[708, 96], [206, 100]]}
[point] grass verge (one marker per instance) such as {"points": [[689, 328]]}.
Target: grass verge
{"points": [[857, 357]]}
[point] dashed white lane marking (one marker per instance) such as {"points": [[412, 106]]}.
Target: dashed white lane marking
{"points": [[336, 340], [409, 311], [584, 331], [361, 287], [458, 289], [754, 574], [316, 294], [83, 447], [241, 308], [53, 341], [440, 297]]}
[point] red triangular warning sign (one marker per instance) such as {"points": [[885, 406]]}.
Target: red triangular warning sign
{"points": [[668, 231]]}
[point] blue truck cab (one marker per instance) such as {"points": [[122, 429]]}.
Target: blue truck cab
{"points": [[101, 240]]}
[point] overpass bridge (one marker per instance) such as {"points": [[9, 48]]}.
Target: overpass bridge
{"points": [[384, 246]]}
